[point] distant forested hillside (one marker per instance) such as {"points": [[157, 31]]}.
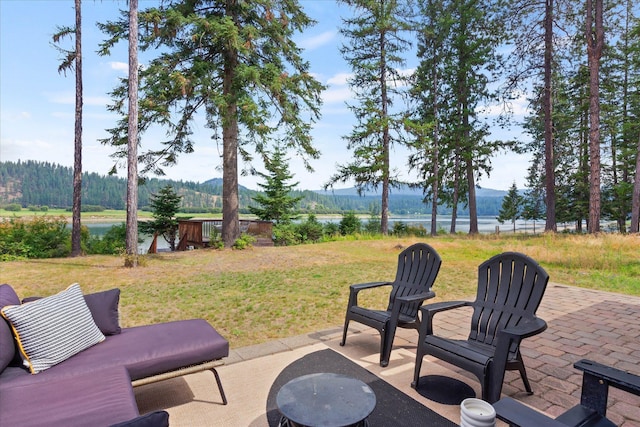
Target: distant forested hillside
{"points": [[32, 183]]}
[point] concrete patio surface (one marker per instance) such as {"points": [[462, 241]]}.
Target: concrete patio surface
{"points": [[596, 325]]}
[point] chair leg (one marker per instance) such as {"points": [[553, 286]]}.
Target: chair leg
{"points": [[385, 349], [387, 336], [523, 374], [416, 371], [344, 331], [224, 397]]}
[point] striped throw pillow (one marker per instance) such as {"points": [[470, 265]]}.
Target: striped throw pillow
{"points": [[52, 329]]}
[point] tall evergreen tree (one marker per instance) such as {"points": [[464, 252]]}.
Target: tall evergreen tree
{"points": [[276, 204], [376, 37], [535, 60], [72, 59], [619, 84], [595, 44], [428, 96], [237, 63], [456, 85]]}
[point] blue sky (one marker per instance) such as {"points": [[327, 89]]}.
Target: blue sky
{"points": [[37, 103]]}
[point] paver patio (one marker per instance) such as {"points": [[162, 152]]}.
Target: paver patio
{"points": [[596, 325]]}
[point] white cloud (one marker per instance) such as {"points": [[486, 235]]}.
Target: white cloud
{"points": [[119, 66], [337, 95], [14, 149], [319, 40], [339, 79]]}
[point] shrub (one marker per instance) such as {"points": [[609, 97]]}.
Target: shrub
{"points": [[372, 226], [38, 208], [350, 224], [399, 229], [331, 229], [244, 241], [285, 235], [39, 237], [417, 230], [310, 230], [13, 207]]}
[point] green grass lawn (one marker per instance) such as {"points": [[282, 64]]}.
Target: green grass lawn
{"points": [[263, 293]]}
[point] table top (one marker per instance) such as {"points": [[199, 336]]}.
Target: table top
{"points": [[326, 399]]}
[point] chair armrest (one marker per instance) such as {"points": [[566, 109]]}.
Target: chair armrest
{"points": [[369, 285], [596, 380], [613, 377], [416, 297], [526, 329], [431, 309], [428, 311], [408, 299], [517, 414], [354, 289]]}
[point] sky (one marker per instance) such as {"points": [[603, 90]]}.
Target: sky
{"points": [[37, 103]]}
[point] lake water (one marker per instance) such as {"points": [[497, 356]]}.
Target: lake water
{"points": [[485, 225]]}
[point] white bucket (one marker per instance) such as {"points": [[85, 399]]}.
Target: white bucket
{"points": [[477, 413]]}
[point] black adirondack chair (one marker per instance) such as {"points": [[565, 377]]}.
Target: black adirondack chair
{"points": [[510, 288], [592, 409], [418, 266]]}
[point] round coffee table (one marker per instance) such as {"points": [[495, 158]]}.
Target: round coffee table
{"points": [[325, 400]]}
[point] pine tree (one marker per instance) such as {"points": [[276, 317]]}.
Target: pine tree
{"points": [[276, 204], [458, 44], [428, 96], [235, 62], [164, 205], [376, 42], [511, 209]]}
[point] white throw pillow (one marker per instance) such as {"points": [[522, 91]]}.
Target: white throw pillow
{"points": [[52, 329]]}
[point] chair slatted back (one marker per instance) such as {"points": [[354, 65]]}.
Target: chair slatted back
{"points": [[418, 267], [510, 289]]}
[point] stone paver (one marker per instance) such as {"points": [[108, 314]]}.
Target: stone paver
{"points": [[582, 323]]}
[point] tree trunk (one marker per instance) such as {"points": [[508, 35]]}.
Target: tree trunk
{"points": [[549, 161], [76, 241], [595, 42], [635, 203], [230, 203], [473, 210], [384, 99], [435, 171], [131, 259], [456, 190]]}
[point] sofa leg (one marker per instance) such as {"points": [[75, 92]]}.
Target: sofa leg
{"points": [[224, 397]]}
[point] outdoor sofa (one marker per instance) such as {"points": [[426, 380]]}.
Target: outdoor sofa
{"points": [[93, 386]]}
